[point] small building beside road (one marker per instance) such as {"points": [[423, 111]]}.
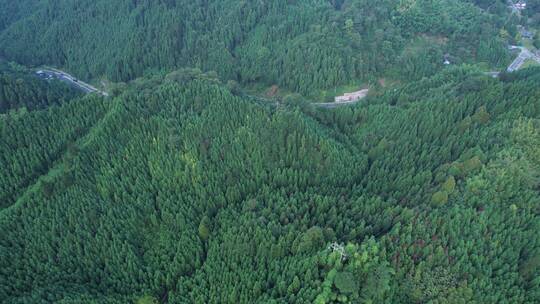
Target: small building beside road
{"points": [[521, 5], [353, 96], [527, 34], [44, 75]]}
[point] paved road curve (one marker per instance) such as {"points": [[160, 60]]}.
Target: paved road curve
{"points": [[330, 105], [63, 76], [522, 57]]}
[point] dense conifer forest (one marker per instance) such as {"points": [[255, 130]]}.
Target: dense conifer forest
{"points": [[299, 45], [186, 193], [183, 186]]}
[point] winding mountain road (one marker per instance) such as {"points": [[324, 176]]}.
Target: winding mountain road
{"points": [[521, 58], [65, 77], [331, 105]]}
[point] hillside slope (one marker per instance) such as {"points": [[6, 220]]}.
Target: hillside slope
{"points": [[302, 46], [185, 193]]}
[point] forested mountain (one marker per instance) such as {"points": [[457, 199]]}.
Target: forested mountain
{"points": [[181, 187], [302, 46], [181, 192]]}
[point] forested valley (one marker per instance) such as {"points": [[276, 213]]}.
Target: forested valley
{"points": [[302, 46], [186, 185]]}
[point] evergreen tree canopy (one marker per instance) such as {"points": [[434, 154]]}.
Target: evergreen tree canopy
{"points": [[182, 192]]}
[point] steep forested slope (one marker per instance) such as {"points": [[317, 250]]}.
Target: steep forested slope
{"points": [[300, 45], [40, 138], [185, 193]]}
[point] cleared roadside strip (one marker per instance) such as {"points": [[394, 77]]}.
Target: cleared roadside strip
{"points": [[72, 80]]}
